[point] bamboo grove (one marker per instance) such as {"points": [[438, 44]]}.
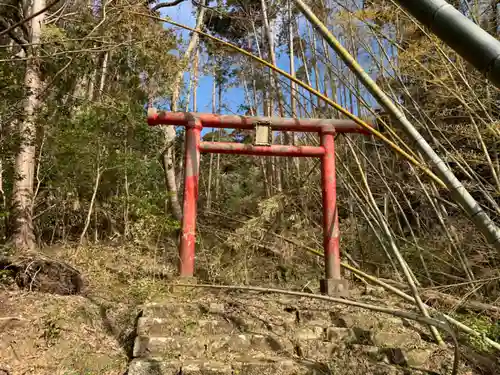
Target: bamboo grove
{"points": [[78, 163]]}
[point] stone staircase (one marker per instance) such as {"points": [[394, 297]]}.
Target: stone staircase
{"points": [[234, 333]]}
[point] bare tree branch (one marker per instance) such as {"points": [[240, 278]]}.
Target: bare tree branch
{"points": [[17, 38], [166, 5], [24, 20]]}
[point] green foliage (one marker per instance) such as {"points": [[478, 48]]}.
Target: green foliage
{"points": [[485, 326], [83, 132], [51, 330]]}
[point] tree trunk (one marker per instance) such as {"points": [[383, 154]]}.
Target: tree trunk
{"points": [[217, 167], [91, 83], [23, 237], [293, 104], [169, 130], [104, 71], [209, 189], [2, 200], [275, 163]]}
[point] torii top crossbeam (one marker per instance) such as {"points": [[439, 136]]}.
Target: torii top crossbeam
{"points": [[210, 120]]}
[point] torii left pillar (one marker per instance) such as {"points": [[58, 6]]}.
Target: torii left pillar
{"points": [[191, 175]]}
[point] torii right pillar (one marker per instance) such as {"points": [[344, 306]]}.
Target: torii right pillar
{"points": [[333, 283]]}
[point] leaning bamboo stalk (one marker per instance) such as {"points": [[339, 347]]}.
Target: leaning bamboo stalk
{"points": [[457, 190], [384, 180], [426, 119], [469, 172], [461, 255], [404, 266], [457, 92], [369, 220]]}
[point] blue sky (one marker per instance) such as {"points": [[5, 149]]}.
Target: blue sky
{"points": [[233, 98]]}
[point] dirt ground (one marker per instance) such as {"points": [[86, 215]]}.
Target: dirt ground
{"points": [[88, 334], [43, 333], [47, 334]]}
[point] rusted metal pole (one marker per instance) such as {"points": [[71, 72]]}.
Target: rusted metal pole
{"points": [[243, 122], [332, 283], [273, 150], [191, 175]]}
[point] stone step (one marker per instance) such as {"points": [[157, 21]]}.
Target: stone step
{"points": [[164, 327], [264, 366], [366, 320], [164, 367], [174, 311], [242, 319], [257, 318], [209, 336], [336, 338], [206, 325], [416, 358], [401, 340], [347, 317], [221, 346]]}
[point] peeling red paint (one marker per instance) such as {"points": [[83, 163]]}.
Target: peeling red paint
{"points": [[244, 122], [331, 233], [191, 174], [273, 150]]}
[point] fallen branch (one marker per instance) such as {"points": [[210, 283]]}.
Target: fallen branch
{"points": [[407, 297], [410, 299], [8, 318], [442, 324], [91, 206], [433, 296]]}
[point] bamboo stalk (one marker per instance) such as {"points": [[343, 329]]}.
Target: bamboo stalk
{"points": [[457, 190], [404, 266]]}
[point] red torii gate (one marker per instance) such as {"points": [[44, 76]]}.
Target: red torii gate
{"points": [[326, 128]]}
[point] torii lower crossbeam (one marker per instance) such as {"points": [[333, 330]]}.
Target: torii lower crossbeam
{"points": [[332, 284]]}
